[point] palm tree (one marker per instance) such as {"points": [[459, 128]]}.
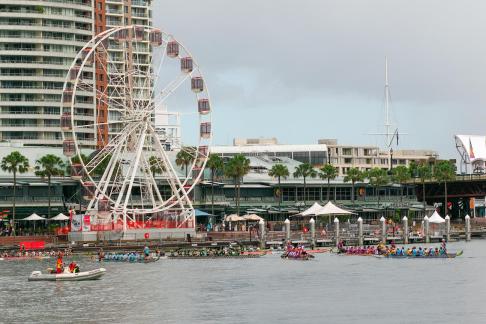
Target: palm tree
{"points": [[15, 163], [424, 172], [329, 173], [236, 168], [215, 164], [278, 171], [156, 165], [49, 166], [444, 171], [185, 157], [378, 178], [305, 170], [354, 175], [400, 175]]}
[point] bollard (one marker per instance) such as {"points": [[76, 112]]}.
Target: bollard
{"points": [[448, 228], [313, 232], [287, 230], [360, 232], [405, 230], [467, 227], [336, 229], [383, 229], [426, 229], [262, 233]]}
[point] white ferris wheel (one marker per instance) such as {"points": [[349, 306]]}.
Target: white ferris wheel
{"points": [[131, 174]]}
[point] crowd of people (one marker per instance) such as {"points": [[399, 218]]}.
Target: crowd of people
{"points": [[23, 253], [128, 256], [393, 250], [296, 252]]}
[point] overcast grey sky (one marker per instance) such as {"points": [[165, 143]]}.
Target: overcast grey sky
{"points": [[307, 69]]}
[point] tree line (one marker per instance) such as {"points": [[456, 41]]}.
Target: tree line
{"points": [[237, 167]]}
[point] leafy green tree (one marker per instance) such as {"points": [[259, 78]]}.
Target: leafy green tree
{"points": [[424, 172], [445, 171], [354, 175], [378, 178], [236, 168], [216, 164], [328, 172], [15, 163], [305, 170], [413, 169], [279, 171], [185, 157], [156, 165], [49, 166], [400, 175]]}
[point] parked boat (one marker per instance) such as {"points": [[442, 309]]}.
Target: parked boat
{"points": [[67, 276]]}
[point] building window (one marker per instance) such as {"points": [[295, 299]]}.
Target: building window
{"points": [[302, 157], [319, 157], [347, 151]]}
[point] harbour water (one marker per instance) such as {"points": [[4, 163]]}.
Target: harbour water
{"points": [[329, 289]]}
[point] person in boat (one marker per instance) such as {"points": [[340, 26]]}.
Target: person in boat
{"points": [[341, 247], [73, 267], [146, 251], [101, 254], [420, 252], [59, 264], [443, 245], [431, 252], [414, 251]]}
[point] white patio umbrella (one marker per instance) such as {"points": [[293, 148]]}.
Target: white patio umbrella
{"points": [[34, 218], [60, 217], [234, 218], [252, 217], [311, 211], [331, 210]]}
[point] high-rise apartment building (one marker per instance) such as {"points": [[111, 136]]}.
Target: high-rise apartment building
{"points": [[39, 40], [123, 57]]}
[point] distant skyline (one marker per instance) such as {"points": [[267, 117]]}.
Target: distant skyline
{"points": [[304, 70]]}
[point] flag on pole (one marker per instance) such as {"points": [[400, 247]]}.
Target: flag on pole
{"points": [[471, 150]]}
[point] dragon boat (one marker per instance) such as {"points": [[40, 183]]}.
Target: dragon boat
{"points": [[297, 256], [449, 255]]}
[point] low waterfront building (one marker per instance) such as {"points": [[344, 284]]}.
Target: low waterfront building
{"points": [[344, 157]]}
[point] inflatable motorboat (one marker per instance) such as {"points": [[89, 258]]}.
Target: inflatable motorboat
{"points": [[67, 276]]}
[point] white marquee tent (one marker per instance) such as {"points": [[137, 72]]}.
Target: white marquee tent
{"points": [[436, 218]]}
